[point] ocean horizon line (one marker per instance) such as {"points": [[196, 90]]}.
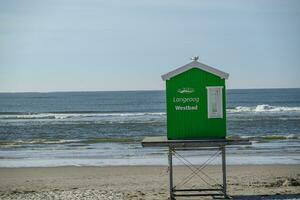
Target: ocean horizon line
{"points": [[141, 90]]}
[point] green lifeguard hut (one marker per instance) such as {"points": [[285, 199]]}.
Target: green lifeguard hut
{"points": [[196, 107]]}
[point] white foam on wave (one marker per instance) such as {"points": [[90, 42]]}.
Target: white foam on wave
{"points": [[77, 115], [145, 161], [4, 143], [266, 137], [263, 108]]}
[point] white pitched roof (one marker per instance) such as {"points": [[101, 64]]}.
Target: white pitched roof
{"points": [[195, 64]]}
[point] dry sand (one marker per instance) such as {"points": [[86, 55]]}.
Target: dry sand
{"points": [[143, 182]]}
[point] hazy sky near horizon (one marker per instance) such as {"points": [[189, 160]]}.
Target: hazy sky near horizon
{"points": [[75, 45]]}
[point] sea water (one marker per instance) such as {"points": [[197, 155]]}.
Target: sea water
{"points": [[105, 128]]}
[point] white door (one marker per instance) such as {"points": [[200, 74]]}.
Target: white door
{"points": [[215, 101]]}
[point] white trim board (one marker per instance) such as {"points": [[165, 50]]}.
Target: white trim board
{"points": [[208, 87], [195, 64]]}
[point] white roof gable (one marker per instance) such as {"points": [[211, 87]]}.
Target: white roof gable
{"points": [[195, 64]]}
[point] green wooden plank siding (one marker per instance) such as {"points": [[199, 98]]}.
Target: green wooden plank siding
{"points": [[193, 124]]}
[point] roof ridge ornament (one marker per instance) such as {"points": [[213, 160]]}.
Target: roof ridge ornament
{"points": [[195, 58], [195, 64]]}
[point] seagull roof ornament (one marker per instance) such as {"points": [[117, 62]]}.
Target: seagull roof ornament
{"points": [[195, 58]]}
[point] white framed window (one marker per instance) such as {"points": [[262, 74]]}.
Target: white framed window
{"points": [[214, 101]]}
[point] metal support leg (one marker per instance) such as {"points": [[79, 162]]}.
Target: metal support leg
{"points": [[224, 171], [171, 173]]}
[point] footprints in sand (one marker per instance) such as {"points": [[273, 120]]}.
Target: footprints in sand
{"points": [[89, 194]]}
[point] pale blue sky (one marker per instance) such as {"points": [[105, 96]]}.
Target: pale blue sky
{"points": [[83, 45]]}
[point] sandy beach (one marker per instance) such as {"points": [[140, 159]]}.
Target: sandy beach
{"points": [[143, 182]]}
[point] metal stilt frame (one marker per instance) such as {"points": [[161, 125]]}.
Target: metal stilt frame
{"points": [[215, 190], [171, 173], [224, 171], [174, 192]]}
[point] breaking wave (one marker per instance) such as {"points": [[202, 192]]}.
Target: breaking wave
{"points": [[62, 141], [75, 115], [263, 108], [266, 137]]}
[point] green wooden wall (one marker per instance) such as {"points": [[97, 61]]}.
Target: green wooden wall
{"points": [[193, 124]]}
